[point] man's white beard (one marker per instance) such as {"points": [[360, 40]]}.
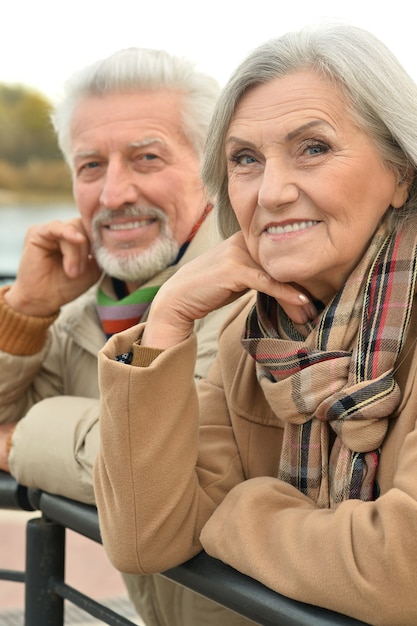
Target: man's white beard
{"points": [[138, 267], [135, 267]]}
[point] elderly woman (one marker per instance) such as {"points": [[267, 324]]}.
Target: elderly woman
{"points": [[295, 461]]}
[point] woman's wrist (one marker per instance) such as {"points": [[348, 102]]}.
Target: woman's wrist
{"points": [[164, 336]]}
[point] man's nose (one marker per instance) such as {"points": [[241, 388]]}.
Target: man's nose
{"points": [[279, 185], [119, 186]]}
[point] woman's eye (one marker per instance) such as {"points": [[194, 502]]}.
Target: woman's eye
{"points": [[242, 159], [317, 147]]}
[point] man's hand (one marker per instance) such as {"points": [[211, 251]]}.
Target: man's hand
{"points": [[55, 268], [5, 434]]}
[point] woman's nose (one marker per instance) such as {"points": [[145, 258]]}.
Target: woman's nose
{"points": [[119, 187], [278, 187]]}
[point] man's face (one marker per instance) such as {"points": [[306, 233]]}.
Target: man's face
{"points": [[136, 180]]}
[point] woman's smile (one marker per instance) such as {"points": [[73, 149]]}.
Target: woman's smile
{"points": [[290, 227]]}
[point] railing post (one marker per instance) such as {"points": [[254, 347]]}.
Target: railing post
{"points": [[45, 558]]}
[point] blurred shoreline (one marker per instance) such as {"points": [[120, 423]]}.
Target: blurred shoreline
{"points": [[17, 213], [9, 197]]}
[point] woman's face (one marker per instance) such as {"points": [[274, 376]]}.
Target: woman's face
{"points": [[308, 186]]}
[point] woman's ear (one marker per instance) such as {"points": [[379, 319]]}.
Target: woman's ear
{"points": [[402, 189]]}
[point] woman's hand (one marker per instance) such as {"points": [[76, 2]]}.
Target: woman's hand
{"points": [[211, 281]]}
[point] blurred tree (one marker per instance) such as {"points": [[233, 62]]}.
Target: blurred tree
{"points": [[25, 128], [30, 159]]}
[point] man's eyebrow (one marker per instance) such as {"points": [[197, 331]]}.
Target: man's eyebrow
{"points": [[83, 154], [146, 142]]}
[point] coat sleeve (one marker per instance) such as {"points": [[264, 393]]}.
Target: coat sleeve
{"points": [[16, 391], [358, 559], [54, 447], [153, 498], [24, 344]]}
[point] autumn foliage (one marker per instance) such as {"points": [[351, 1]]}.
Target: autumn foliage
{"points": [[30, 159]]}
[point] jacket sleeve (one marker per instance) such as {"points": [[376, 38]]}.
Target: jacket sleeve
{"points": [[153, 498], [358, 559], [54, 447], [24, 344], [16, 391]]}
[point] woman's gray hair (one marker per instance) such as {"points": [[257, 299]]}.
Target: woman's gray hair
{"points": [[136, 70], [381, 95]]}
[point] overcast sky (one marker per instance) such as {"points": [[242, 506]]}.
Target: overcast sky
{"points": [[43, 41]]}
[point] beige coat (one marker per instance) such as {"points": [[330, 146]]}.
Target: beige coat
{"points": [[52, 390], [166, 488]]}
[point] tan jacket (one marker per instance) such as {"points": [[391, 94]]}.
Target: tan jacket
{"points": [[166, 488]]}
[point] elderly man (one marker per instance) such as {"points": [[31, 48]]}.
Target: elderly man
{"points": [[132, 129]]}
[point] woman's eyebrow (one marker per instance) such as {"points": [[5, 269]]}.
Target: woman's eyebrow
{"points": [[237, 140], [293, 133], [288, 137]]}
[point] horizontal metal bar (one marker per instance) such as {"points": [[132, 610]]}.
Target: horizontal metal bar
{"points": [[82, 518], [248, 597], [11, 575], [87, 604], [13, 495]]}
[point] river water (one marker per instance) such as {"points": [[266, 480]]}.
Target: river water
{"points": [[14, 222]]}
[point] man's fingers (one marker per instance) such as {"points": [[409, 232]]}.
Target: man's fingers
{"points": [[67, 241], [75, 254]]}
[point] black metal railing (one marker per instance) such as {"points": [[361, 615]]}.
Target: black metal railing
{"points": [[46, 589]]}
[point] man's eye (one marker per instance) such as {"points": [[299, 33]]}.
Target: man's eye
{"points": [[84, 169], [150, 157]]}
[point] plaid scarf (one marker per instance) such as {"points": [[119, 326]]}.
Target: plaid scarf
{"points": [[337, 389]]}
